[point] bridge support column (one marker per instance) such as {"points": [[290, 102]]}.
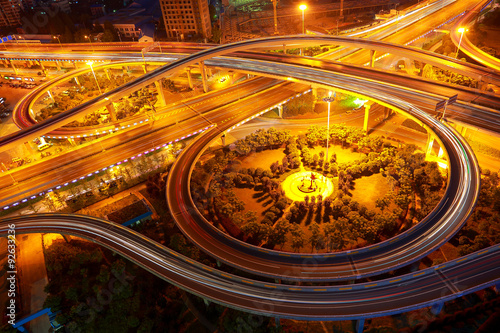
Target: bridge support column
{"points": [[107, 73], [203, 76], [126, 69], [58, 65], [280, 111], [77, 82], [387, 112], [223, 138], [360, 325], [43, 68], [367, 114], [190, 81], [161, 95], [231, 78], [314, 92], [430, 143], [67, 238], [284, 48], [11, 63], [481, 85], [372, 58], [145, 68], [74, 64], [112, 112], [436, 308], [206, 301], [277, 321], [497, 288]]}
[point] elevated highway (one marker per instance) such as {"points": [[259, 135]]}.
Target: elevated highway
{"points": [[322, 302], [466, 46], [317, 303]]}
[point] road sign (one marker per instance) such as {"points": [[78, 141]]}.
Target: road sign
{"points": [[452, 99], [440, 105]]}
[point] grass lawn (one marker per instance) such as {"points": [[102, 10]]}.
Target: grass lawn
{"points": [[255, 201], [262, 159], [343, 155], [368, 189]]}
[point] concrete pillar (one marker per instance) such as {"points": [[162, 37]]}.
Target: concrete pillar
{"points": [[161, 95], [280, 111], [74, 64], [190, 81], [314, 92], [43, 67], [13, 67], [67, 238], [231, 78], [360, 324], [367, 114], [112, 111], [125, 69], [284, 48], [145, 68], [497, 288], [77, 81], [430, 143], [106, 70], [436, 308], [387, 112], [58, 65], [223, 138], [277, 321], [372, 58], [203, 76]]}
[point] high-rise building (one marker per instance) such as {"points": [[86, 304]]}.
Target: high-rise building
{"points": [[186, 17], [10, 12]]}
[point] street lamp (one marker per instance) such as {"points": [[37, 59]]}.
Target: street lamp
{"points": [[275, 17], [303, 8], [328, 99], [57, 37], [90, 63], [25, 42], [462, 31], [90, 40]]}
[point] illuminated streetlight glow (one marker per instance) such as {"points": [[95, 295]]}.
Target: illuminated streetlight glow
{"points": [[328, 99], [57, 37], [461, 31], [303, 8], [90, 40], [90, 63]]}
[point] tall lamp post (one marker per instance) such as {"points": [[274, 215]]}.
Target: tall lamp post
{"points": [[90, 63], [275, 17], [25, 42], [90, 40], [328, 99], [462, 31], [57, 37], [303, 9]]}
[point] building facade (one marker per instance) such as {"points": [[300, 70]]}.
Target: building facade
{"points": [[185, 18], [10, 13]]}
